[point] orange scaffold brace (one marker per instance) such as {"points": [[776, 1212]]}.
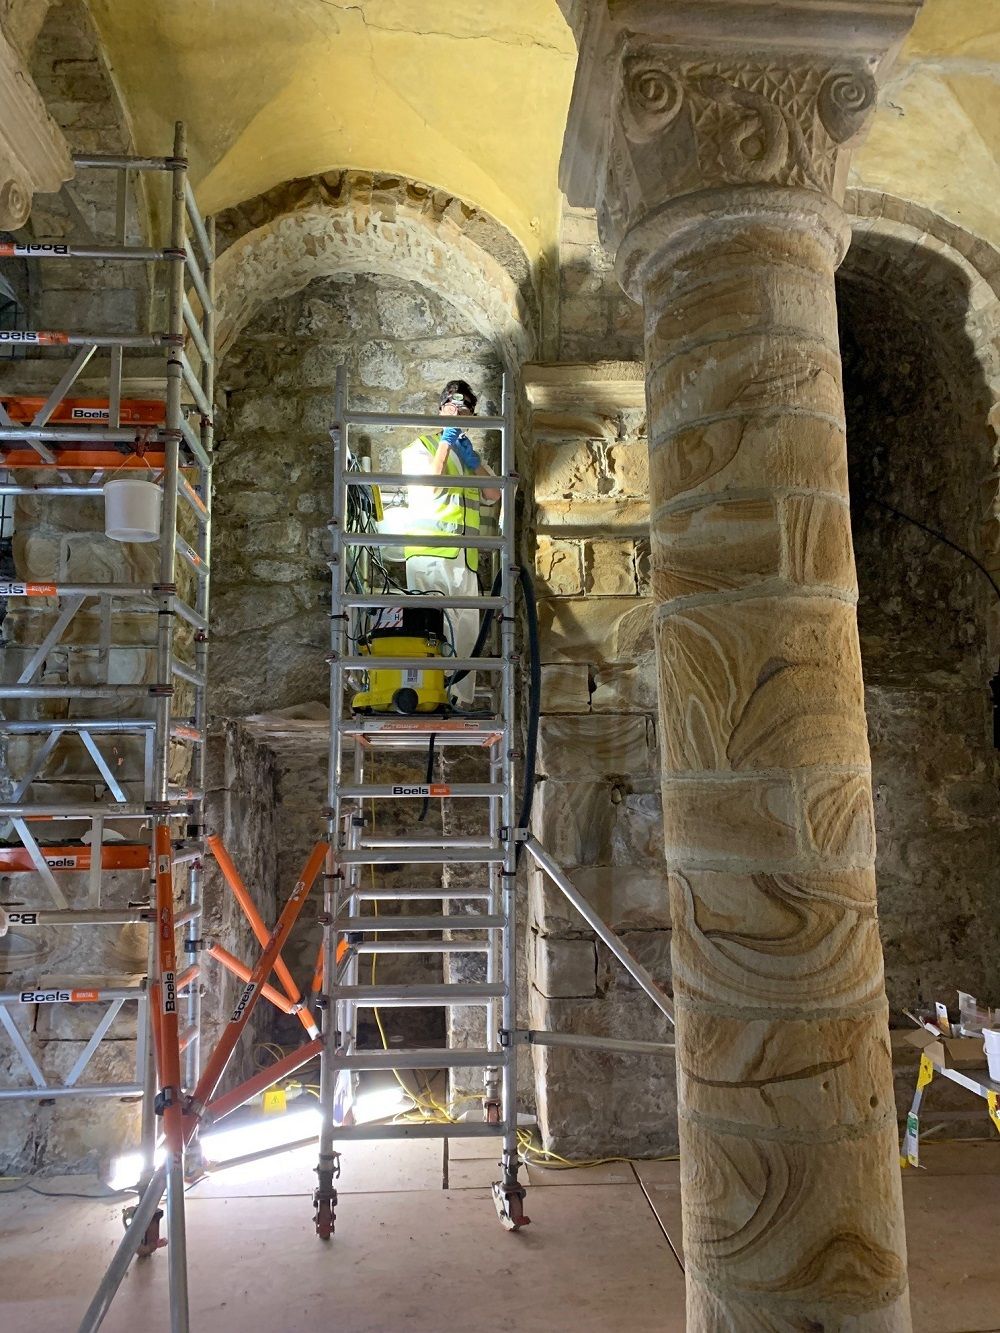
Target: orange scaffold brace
{"points": [[292, 1003]]}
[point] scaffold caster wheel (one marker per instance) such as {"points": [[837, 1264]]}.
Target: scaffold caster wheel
{"points": [[491, 1112], [324, 1218], [509, 1203], [152, 1240]]}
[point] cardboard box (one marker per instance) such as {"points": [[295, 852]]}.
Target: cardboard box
{"points": [[949, 1052]]}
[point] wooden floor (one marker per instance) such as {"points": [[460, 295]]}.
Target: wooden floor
{"points": [[419, 1249]]}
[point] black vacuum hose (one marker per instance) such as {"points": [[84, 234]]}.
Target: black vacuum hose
{"points": [[534, 687]]}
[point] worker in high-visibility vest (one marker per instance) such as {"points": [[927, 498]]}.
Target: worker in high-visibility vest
{"points": [[452, 571]]}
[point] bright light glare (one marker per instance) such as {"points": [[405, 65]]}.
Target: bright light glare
{"points": [[126, 1170], [268, 1132], [379, 1104]]}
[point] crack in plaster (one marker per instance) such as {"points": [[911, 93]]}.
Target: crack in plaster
{"points": [[520, 40]]}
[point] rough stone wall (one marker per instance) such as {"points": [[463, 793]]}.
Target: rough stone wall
{"points": [[598, 805], [597, 321], [401, 344], [241, 806], [918, 439]]}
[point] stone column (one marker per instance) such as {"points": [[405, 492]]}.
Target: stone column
{"points": [[717, 185], [34, 156]]}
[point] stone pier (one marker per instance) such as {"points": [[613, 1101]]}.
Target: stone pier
{"points": [[717, 188]]}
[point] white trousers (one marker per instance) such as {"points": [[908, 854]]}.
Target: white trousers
{"points": [[432, 573]]}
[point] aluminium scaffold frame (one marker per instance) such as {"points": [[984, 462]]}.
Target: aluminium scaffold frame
{"points": [[62, 438], [353, 846]]}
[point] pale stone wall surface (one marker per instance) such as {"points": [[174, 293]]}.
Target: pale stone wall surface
{"points": [[597, 810], [596, 319]]}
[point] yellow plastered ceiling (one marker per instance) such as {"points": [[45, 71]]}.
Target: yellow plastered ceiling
{"points": [[936, 136], [469, 96]]}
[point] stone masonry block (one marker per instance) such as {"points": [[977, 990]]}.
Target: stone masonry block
{"points": [[594, 746], [566, 471], [565, 968], [630, 467], [566, 688], [558, 566], [624, 897], [609, 569], [595, 629], [575, 820]]}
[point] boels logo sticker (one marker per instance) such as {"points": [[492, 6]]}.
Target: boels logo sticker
{"points": [[59, 996], [244, 1000]]}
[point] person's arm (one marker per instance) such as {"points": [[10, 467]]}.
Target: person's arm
{"points": [[488, 496]]}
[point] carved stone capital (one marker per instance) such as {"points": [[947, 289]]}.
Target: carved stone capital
{"points": [[34, 156], [674, 98]]}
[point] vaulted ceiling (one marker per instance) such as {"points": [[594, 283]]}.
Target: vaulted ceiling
{"points": [[471, 96]]}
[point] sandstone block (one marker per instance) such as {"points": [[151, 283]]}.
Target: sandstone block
{"points": [[558, 567], [623, 896], [574, 820], [599, 630], [817, 540], [793, 452], [651, 949], [744, 374], [748, 939], [763, 683], [124, 666], [626, 688], [630, 467], [741, 301], [36, 556], [856, 1246], [838, 816], [593, 746], [764, 1070], [715, 548], [93, 558], [568, 471], [609, 569], [628, 515], [564, 968], [752, 822], [566, 688]]}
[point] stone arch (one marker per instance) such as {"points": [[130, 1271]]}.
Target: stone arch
{"points": [[362, 222], [922, 386], [909, 242]]}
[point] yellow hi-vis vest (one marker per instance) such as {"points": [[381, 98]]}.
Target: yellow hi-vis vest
{"points": [[442, 511]]}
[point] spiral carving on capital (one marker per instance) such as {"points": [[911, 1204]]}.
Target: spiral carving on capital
{"points": [[15, 202], [686, 121]]}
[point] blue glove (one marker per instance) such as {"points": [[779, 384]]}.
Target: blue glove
{"points": [[461, 446]]}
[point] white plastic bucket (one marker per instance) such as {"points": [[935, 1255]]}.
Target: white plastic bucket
{"points": [[132, 509], [991, 1041]]}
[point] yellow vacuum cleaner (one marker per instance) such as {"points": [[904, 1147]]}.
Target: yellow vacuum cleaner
{"points": [[404, 632]]}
